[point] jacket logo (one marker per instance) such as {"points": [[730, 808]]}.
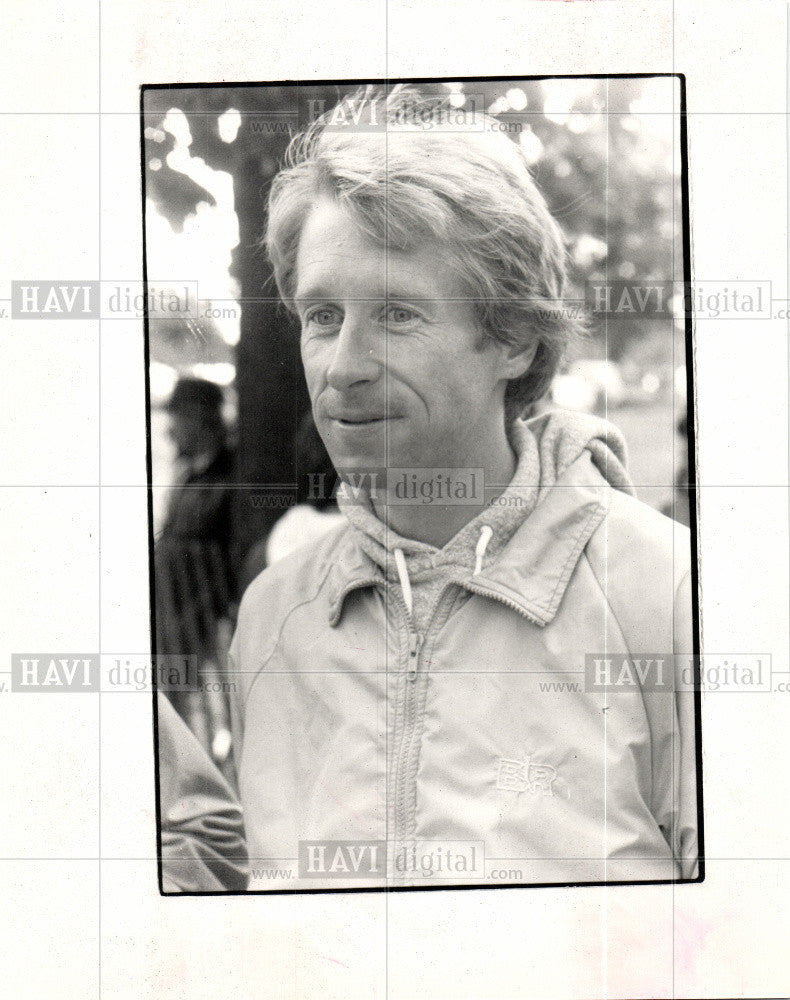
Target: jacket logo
{"points": [[524, 776]]}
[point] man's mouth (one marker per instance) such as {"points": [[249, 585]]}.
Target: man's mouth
{"points": [[365, 420]]}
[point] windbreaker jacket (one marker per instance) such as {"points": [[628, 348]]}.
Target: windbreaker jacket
{"points": [[484, 732]]}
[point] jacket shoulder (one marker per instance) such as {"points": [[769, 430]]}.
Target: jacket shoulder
{"points": [[296, 577], [635, 530], [641, 560], [292, 582]]}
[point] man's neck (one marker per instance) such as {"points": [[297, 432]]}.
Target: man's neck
{"points": [[436, 522]]}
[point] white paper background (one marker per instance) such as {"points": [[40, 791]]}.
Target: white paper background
{"points": [[81, 914]]}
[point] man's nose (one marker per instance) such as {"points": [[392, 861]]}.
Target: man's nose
{"points": [[354, 359]]}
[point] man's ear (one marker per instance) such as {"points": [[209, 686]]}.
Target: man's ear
{"points": [[517, 358]]}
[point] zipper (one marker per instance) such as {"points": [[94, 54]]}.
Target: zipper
{"points": [[405, 749], [416, 640], [394, 761], [400, 753], [407, 737], [483, 592]]}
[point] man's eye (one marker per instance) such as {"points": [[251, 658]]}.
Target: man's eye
{"points": [[400, 315], [322, 317]]}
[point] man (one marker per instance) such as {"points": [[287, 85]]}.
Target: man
{"points": [[404, 706], [194, 586]]}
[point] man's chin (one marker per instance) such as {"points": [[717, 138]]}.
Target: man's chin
{"points": [[354, 471], [365, 459], [351, 463]]}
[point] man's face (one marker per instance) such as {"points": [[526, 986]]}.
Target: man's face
{"points": [[396, 367]]}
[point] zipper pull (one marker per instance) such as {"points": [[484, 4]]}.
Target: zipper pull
{"points": [[415, 642]]}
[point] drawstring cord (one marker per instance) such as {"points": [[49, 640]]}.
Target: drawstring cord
{"points": [[403, 576], [486, 534]]}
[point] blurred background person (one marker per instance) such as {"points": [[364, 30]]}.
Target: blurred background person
{"points": [[194, 584]]}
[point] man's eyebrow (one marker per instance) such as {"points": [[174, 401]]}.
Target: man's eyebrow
{"points": [[411, 293], [310, 294]]}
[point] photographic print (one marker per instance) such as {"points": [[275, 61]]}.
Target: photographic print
{"points": [[423, 505]]}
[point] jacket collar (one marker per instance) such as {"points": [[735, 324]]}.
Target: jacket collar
{"points": [[533, 570], [531, 573], [351, 569]]}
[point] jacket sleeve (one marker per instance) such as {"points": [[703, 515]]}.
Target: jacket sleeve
{"points": [[685, 844], [203, 845]]}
